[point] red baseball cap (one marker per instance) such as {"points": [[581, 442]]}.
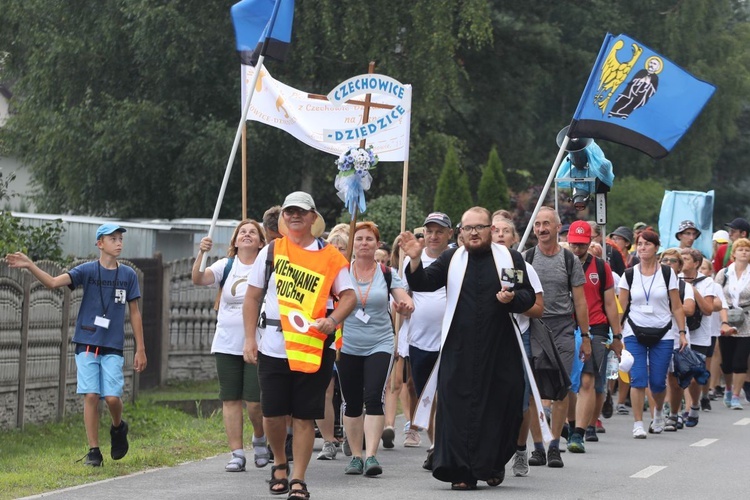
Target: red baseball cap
{"points": [[580, 232]]}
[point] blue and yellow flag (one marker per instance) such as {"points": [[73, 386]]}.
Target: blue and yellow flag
{"points": [[256, 20], [638, 98]]}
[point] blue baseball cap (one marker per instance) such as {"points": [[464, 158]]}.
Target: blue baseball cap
{"points": [[109, 228]]}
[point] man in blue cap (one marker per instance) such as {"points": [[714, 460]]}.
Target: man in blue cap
{"points": [[108, 287]]}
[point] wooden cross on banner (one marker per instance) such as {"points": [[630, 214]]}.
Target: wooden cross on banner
{"points": [[366, 104]]}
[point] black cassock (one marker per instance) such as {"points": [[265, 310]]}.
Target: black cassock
{"points": [[480, 381]]}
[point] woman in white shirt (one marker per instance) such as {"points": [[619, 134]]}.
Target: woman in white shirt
{"points": [[238, 380], [734, 342], [652, 304]]}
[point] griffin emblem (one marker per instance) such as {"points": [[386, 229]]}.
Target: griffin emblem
{"points": [[614, 73]]}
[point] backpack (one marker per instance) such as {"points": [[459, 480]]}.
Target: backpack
{"points": [[569, 261], [665, 272], [225, 275], [693, 322]]}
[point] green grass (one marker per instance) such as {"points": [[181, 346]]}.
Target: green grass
{"points": [[43, 458]]}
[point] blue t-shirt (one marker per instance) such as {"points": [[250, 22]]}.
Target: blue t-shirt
{"points": [[363, 339], [108, 300]]}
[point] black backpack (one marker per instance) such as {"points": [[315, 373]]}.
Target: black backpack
{"points": [[692, 322]]}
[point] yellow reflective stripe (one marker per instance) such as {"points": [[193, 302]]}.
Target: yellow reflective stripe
{"points": [[302, 357], [304, 339]]}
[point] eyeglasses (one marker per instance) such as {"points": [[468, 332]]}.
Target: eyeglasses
{"points": [[289, 211], [477, 228], [667, 260]]}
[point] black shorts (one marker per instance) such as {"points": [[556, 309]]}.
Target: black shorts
{"points": [[703, 349], [301, 395]]}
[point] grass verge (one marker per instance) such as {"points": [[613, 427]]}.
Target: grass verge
{"points": [[43, 458]]}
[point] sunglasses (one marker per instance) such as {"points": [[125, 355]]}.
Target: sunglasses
{"points": [[669, 260]]}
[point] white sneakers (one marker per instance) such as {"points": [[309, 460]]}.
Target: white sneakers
{"points": [[638, 431]]}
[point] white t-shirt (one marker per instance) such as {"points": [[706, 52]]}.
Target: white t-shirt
{"points": [[524, 321], [230, 333], [271, 338], [651, 312], [426, 322], [675, 331], [716, 316], [702, 336]]}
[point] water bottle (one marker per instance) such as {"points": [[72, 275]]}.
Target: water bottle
{"points": [[613, 366]]}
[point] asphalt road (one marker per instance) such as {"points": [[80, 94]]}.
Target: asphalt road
{"points": [[711, 460]]}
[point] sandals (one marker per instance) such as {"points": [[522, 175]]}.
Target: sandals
{"points": [[496, 480], [236, 464], [299, 493], [262, 455], [275, 482], [463, 486]]}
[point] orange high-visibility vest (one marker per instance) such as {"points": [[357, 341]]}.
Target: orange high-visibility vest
{"points": [[304, 279]]}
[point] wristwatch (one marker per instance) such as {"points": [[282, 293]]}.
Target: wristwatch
{"points": [[682, 331], [585, 335], [617, 336]]}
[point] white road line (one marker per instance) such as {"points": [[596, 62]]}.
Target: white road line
{"points": [[743, 421], [704, 442], [648, 471]]}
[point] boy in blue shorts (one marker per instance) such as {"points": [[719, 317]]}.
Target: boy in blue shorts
{"points": [[100, 333]]}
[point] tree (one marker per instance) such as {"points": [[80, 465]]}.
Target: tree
{"points": [[492, 193], [385, 211], [453, 196], [632, 200]]}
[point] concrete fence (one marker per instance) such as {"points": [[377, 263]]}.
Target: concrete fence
{"points": [[37, 356]]}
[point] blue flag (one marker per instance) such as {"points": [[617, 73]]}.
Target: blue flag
{"points": [[256, 20], [694, 206], [638, 98]]}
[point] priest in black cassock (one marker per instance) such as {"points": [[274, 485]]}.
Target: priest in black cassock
{"points": [[480, 377]]}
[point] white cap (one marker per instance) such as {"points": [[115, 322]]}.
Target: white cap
{"points": [[626, 361], [721, 236]]}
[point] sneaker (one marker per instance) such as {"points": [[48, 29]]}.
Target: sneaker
{"points": [[575, 444], [657, 426], [538, 457], [639, 432], [93, 458], [691, 421], [719, 391], [728, 399], [622, 409], [289, 447], [372, 467], [119, 438], [355, 467], [712, 395], [705, 403], [599, 427], [608, 408], [670, 424], [236, 464], [427, 465], [521, 463], [261, 452], [553, 458], [736, 405], [412, 439], [389, 435], [590, 435], [328, 452], [347, 449]]}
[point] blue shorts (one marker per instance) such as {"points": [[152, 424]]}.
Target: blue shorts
{"points": [[100, 374], [650, 364]]}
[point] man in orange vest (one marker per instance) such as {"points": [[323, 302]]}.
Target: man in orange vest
{"points": [[298, 274]]}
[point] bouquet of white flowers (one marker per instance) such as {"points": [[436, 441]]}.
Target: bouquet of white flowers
{"points": [[354, 176]]}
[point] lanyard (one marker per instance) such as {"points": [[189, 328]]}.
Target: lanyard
{"points": [[101, 293], [363, 298], [648, 294]]}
